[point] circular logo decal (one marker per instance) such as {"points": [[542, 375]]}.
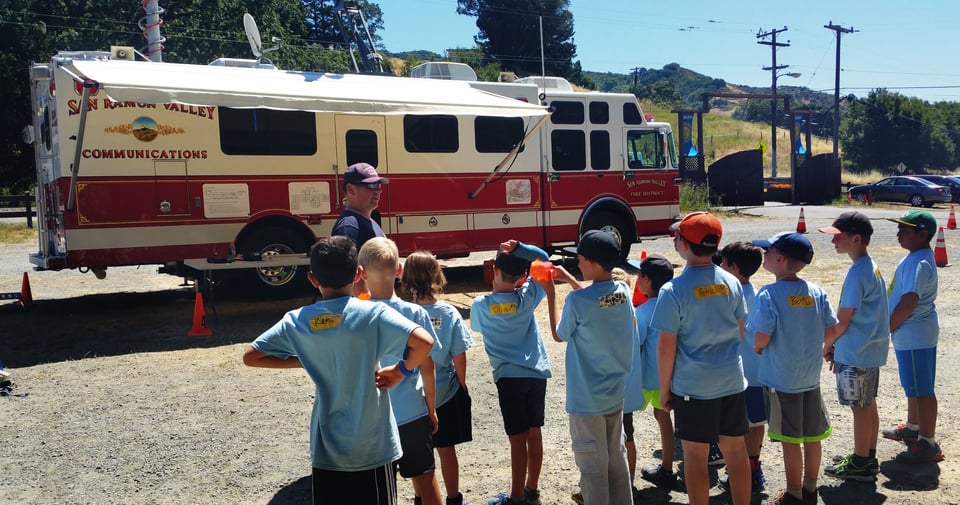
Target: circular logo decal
{"points": [[144, 129]]}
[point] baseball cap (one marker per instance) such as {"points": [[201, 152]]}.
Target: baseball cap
{"points": [[791, 244], [362, 173], [701, 228], [850, 222], [511, 264], [599, 246], [918, 219], [654, 266]]}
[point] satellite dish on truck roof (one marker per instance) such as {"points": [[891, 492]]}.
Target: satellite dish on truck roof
{"points": [[253, 34]]}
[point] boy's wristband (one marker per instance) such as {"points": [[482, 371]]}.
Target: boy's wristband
{"points": [[403, 369]]}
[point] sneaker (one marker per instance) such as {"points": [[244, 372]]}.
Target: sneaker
{"points": [[659, 477], [900, 433], [715, 458], [531, 496], [873, 465], [784, 498], [847, 469], [757, 481], [503, 499], [809, 497], [921, 452]]}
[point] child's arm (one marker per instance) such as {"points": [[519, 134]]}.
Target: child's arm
{"points": [[844, 315], [831, 335], [460, 364], [428, 373], [563, 275], [419, 344], [666, 356], [760, 342], [551, 292], [902, 311], [256, 358]]}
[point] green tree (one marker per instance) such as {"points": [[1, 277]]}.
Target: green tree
{"points": [[509, 34]]}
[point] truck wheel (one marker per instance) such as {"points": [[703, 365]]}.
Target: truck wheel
{"points": [[274, 282], [615, 224]]}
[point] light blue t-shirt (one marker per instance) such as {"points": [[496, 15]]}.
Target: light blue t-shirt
{"points": [[407, 397], [703, 307], [865, 342], [795, 314], [643, 370], [510, 333], [916, 273], [751, 360], [455, 339], [600, 330], [340, 343]]}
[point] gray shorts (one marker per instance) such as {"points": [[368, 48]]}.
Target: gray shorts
{"points": [[797, 418], [856, 387]]}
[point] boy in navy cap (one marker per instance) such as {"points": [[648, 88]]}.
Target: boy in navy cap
{"points": [[859, 347], [791, 319], [915, 327], [598, 325]]}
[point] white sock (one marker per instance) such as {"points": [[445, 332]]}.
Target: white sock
{"points": [[911, 426], [930, 441]]}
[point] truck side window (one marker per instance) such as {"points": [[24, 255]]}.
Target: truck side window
{"points": [[631, 114], [569, 150], [431, 134], [566, 112], [644, 149], [497, 134], [267, 132], [362, 147], [600, 150]]}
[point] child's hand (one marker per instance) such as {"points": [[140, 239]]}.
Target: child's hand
{"points": [[828, 355], [387, 377], [563, 275], [665, 402], [509, 246], [434, 422]]}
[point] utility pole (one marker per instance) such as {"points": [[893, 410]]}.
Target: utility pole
{"points": [[773, 68], [836, 91], [636, 75]]}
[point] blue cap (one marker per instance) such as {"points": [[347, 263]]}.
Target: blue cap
{"points": [[791, 244]]}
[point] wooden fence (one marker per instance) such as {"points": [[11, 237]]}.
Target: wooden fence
{"points": [[22, 207]]}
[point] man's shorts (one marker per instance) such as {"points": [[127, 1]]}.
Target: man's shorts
{"points": [[417, 444], [918, 371], [522, 401], [704, 421], [798, 417], [455, 420], [856, 387], [756, 402], [652, 399], [628, 426]]}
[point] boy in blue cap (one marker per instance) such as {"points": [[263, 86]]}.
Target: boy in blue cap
{"points": [[915, 327], [791, 319]]}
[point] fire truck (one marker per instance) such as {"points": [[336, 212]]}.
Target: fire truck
{"points": [[143, 163]]}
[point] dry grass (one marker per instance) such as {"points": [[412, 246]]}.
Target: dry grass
{"points": [[16, 233]]}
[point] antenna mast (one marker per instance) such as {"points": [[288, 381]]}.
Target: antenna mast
{"points": [[150, 24]]}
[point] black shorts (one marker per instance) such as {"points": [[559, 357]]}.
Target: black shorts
{"points": [[705, 421], [455, 420], [377, 486], [522, 401], [417, 444]]}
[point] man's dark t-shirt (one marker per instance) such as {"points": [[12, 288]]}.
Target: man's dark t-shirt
{"points": [[357, 227]]}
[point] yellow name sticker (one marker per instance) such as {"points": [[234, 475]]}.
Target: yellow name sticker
{"points": [[436, 322], [701, 292], [325, 322], [499, 309], [800, 301]]}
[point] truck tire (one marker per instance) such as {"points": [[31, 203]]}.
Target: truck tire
{"points": [[614, 223], [273, 282]]}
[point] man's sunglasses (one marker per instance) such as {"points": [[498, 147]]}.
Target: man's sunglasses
{"points": [[373, 186]]}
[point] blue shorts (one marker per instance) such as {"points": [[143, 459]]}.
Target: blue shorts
{"points": [[756, 401], [918, 371]]}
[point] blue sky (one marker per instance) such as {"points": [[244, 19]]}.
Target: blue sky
{"points": [[907, 47]]}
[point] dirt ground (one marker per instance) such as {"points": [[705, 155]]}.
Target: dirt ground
{"points": [[113, 403]]}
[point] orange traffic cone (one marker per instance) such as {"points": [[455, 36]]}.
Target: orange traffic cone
{"points": [[26, 296], [952, 220], [801, 224], [849, 198], [940, 252], [199, 320]]}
